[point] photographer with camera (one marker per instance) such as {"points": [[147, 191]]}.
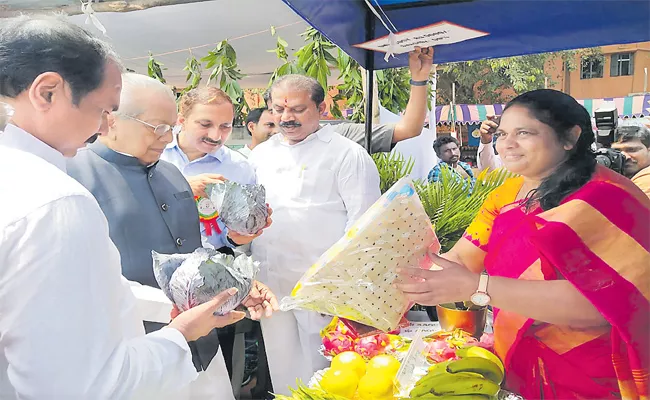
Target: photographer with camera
{"points": [[634, 143]]}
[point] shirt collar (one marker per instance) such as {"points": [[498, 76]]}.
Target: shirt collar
{"points": [[116, 157], [459, 164], [324, 134], [20, 139], [219, 154]]}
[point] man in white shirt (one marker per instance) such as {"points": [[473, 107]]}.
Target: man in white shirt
{"points": [[318, 184], [69, 328], [486, 157], [386, 136], [260, 126]]}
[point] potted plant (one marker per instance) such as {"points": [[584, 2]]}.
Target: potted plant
{"points": [[391, 167]]}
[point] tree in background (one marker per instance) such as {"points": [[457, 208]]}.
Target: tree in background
{"points": [[499, 80]]}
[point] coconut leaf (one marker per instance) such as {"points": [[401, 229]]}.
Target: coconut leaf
{"points": [[452, 204], [391, 167]]}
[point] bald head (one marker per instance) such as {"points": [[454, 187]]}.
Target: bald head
{"points": [[142, 125], [137, 89]]}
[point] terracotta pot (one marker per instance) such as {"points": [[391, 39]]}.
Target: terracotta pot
{"points": [[472, 321]]}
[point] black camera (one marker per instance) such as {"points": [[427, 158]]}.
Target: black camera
{"points": [[610, 158], [606, 122]]}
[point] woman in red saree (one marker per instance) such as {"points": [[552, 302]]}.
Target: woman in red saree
{"points": [[567, 249]]}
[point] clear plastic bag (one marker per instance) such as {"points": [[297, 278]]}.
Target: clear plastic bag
{"points": [[354, 278], [192, 279], [242, 208]]}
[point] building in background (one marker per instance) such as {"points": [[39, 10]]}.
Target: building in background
{"points": [[620, 71]]}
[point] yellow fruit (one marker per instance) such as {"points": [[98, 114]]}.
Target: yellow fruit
{"points": [[384, 364], [340, 383], [349, 360], [476, 351], [375, 386]]}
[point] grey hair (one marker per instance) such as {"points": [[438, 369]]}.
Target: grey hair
{"points": [[300, 83], [132, 85], [33, 45]]}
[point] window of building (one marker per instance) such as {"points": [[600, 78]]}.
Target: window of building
{"points": [[622, 64], [591, 67]]}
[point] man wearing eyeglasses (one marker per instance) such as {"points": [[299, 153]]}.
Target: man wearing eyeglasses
{"points": [[149, 206]]}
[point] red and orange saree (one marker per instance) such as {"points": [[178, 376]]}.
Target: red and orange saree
{"points": [[599, 240]]}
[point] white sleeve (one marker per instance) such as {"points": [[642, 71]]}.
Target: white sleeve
{"points": [[486, 158], [358, 183], [64, 335]]}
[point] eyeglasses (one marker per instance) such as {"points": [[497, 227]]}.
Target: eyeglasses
{"points": [[160, 130]]}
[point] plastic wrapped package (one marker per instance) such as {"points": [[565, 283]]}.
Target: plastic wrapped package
{"points": [[242, 208], [354, 278], [192, 279]]}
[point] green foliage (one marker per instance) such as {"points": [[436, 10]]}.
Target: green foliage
{"points": [[193, 69], [351, 90], [452, 205], [287, 67], [155, 69], [225, 73], [315, 58], [394, 88], [392, 167]]}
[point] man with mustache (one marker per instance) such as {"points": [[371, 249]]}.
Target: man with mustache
{"points": [[318, 184], [197, 149], [447, 149], [149, 206], [634, 143], [386, 136], [69, 326]]}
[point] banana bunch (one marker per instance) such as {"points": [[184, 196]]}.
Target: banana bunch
{"points": [[304, 393], [476, 376]]}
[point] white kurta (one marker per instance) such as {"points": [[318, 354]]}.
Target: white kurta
{"points": [[69, 327], [317, 189]]}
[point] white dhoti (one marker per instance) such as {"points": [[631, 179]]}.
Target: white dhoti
{"points": [[292, 340]]}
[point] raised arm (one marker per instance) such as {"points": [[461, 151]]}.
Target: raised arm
{"points": [[412, 122]]}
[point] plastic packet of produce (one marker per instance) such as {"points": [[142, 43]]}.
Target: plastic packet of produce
{"points": [[192, 279], [414, 366], [354, 278], [242, 208]]}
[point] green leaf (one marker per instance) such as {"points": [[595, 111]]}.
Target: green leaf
{"points": [[272, 30]]}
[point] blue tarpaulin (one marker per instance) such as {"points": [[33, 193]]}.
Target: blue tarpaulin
{"points": [[514, 27]]}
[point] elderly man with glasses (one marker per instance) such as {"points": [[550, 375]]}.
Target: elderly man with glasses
{"points": [[150, 206]]}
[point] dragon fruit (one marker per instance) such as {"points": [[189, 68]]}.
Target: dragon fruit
{"points": [[336, 343], [441, 350], [487, 341], [371, 346]]}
